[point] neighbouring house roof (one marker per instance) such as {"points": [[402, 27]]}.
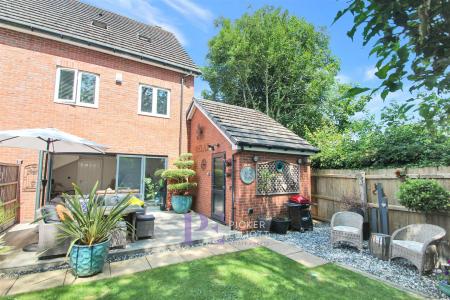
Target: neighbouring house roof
{"points": [[250, 129], [71, 20]]}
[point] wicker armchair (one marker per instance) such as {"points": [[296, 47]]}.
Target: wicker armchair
{"points": [[418, 244], [347, 227]]}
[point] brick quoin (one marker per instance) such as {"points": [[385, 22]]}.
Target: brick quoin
{"points": [[27, 83], [245, 195]]}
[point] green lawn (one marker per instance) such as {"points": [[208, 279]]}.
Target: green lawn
{"points": [[253, 274]]}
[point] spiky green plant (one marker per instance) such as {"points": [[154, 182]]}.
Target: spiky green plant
{"points": [[180, 178], [92, 226]]}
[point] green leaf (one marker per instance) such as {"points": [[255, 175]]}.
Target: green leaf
{"points": [[355, 91]]}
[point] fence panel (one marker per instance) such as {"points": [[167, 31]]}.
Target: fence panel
{"points": [[330, 186], [9, 195]]}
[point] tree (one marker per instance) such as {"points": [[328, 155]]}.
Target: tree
{"points": [[416, 30], [273, 62]]}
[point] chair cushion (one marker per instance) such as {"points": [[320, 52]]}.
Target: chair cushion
{"points": [[348, 229], [49, 214], [411, 245]]}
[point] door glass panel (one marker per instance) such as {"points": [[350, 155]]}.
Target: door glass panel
{"points": [[218, 189], [218, 173], [129, 174], [153, 184]]}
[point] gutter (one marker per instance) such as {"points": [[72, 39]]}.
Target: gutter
{"points": [[90, 43]]}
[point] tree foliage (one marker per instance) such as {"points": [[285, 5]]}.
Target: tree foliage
{"points": [[411, 40], [273, 62]]}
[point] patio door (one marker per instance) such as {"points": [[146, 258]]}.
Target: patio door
{"points": [[89, 172], [136, 174], [218, 187]]}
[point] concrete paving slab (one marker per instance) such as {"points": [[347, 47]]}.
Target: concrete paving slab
{"points": [[244, 244], [6, 284], [161, 259], [218, 249], [195, 253], [71, 279], [37, 281], [307, 259], [284, 249], [129, 266]]}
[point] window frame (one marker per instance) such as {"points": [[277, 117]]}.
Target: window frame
{"points": [[76, 88], [154, 101]]}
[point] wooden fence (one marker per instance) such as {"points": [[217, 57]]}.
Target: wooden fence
{"points": [[330, 187], [9, 195]]}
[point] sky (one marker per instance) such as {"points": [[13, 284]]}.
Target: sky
{"points": [[192, 21]]}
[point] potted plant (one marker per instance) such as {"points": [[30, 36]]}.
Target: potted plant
{"points": [[280, 224], [353, 204], [180, 184], [89, 229], [160, 189], [443, 275], [264, 221]]}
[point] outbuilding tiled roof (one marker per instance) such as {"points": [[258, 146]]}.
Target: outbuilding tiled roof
{"points": [[249, 127], [73, 20]]}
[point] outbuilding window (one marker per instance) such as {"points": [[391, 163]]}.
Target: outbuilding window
{"points": [[76, 87], [277, 177], [154, 101]]}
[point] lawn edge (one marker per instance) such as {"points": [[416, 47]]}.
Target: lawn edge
{"points": [[412, 292]]}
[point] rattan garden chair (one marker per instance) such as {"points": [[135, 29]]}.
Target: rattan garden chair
{"points": [[347, 227], [418, 244]]}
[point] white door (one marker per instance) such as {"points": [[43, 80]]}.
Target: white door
{"points": [[89, 172]]}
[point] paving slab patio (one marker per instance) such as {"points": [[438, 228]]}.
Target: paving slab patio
{"points": [[162, 259], [195, 253], [129, 266], [307, 259], [72, 279], [37, 281], [218, 249], [6, 284], [283, 248]]}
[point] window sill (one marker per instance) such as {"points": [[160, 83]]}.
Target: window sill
{"points": [[154, 115], [77, 104]]}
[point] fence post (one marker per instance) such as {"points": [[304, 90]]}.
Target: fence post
{"points": [[361, 178]]}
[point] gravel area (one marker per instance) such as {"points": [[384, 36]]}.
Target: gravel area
{"points": [[399, 272]]}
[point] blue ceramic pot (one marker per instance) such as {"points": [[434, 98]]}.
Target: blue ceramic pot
{"points": [[444, 287], [88, 260], [181, 204]]}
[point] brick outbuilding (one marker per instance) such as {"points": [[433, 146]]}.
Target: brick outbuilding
{"points": [[247, 164]]}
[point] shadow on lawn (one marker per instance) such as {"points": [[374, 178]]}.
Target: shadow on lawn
{"points": [[253, 274]]}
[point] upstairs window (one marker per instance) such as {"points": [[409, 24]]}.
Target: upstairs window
{"points": [[76, 87], [153, 101]]}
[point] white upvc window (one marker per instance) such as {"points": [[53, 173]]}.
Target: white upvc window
{"points": [[154, 101], [77, 87]]}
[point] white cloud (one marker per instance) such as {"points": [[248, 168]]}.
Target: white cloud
{"points": [[342, 78], [369, 73], [143, 11], [190, 10]]}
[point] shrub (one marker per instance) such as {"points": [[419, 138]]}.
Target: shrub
{"points": [[424, 195], [179, 179]]}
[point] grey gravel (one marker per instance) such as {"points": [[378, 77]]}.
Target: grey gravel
{"points": [[399, 271]]}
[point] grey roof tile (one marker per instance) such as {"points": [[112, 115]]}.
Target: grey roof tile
{"points": [[74, 19], [249, 127]]}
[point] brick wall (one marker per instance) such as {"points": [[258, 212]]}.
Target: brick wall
{"points": [[245, 195], [198, 146], [27, 83]]}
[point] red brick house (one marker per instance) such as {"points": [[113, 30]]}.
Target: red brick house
{"points": [[97, 75], [233, 147]]}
